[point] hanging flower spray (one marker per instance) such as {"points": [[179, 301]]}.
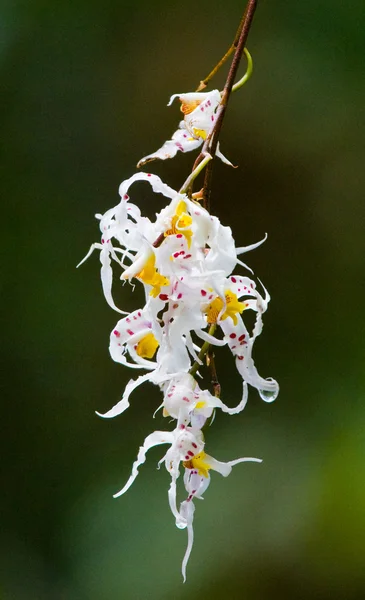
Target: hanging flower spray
{"points": [[194, 303]]}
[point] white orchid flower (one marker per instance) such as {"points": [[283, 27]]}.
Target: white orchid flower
{"points": [[124, 225], [199, 109], [185, 443], [197, 480], [225, 310], [187, 403], [140, 336]]}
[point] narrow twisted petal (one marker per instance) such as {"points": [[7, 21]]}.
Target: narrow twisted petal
{"points": [[123, 404], [154, 439]]}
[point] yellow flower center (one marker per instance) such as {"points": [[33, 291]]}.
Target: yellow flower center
{"points": [[198, 463], [150, 276], [180, 223], [200, 133], [233, 306], [200, 404], [147, 346]]}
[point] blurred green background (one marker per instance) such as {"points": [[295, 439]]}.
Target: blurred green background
{"points": [[84, 93]]}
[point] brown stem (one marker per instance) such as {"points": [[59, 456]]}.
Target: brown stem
{"points": [[213, 372], [210, 144]]}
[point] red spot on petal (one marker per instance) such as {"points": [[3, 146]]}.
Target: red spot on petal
{"points": [[233, 279], [242, 337], [125, 197], [149, 175], [130, 332], [190, 453], [232, 335], [116, 333], [203, 292], [240, 357], [163, 297], [179, 296], [179, 235], [194, 445]]}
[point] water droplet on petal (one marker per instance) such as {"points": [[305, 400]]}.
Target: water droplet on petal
{"points": [[270, 395]]}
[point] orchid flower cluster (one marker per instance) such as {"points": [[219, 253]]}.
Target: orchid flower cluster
{"points": [[186, 261]]}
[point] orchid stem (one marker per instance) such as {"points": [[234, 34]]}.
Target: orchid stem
{"points": [[211, 142], [195, 173], [203, 351]]}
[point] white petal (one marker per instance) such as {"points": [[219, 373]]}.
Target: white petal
{"points": [[157, 185], [232, 463], [106, 273], [187, 511], [172, 496], [181, 141], [235, 409], [219, 154], [154, 439], [244, 249], [209, 338], [91, 250], [123, 404]]}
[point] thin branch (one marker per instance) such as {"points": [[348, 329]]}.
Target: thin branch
{"points": [[213, 372], [210, 144], [204, 349]]}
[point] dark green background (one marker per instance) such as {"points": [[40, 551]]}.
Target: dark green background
{"points": [[84, 93]]}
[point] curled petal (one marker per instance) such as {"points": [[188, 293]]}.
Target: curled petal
{"points": [[204, 335], [181, 141], [235, 409], [187, 514], [157, 185], [154, 439], [123, 404]]}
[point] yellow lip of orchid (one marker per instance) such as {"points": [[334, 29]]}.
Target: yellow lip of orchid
{"points": [[150, 276], [180, 223], [199, 463], [233, 306], [147, 346]]}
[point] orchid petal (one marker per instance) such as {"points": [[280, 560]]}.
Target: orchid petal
{"points": [[123, 404], [154, 439], [244, 249]]}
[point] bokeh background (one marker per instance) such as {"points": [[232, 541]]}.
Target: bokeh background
{"points": [[84, 93]]}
